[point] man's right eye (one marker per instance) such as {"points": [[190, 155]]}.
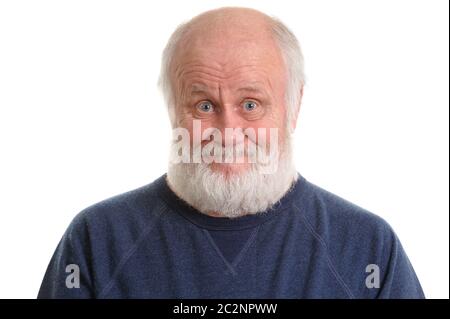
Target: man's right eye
{"points": [[205, 107]]}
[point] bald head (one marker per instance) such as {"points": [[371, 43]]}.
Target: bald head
{"points": [[229, 24], [228, 34]]}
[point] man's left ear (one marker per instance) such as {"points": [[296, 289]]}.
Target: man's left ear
{"points": [[294, 119]]}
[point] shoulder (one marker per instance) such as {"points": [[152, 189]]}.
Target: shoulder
{"points": [[353, 238], [334, 218], [124, 215]]}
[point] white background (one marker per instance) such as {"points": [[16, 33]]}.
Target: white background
{"points": [[81, 118]]}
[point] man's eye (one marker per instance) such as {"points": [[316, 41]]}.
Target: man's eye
{"points": [[250, 105], [205, 106]]}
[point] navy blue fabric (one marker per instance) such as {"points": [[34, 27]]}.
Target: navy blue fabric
{"points": [[148, 243]]}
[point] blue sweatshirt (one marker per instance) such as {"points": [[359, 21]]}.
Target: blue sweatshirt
{"points": [[148, 243]]}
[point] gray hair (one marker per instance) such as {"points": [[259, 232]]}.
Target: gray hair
{"points": [[290, 51]]}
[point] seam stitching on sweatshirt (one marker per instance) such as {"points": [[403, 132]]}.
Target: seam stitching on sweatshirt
{"points": [[129, 253], [330, 263], [219, 252], [244, 250]]}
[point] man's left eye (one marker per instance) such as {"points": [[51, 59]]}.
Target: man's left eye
{"points": [[250, 105]]}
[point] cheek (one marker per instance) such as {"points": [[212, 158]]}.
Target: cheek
{"points": [[276, 113], [273, 119], [277, 120], [262, 134], [197, 129]]}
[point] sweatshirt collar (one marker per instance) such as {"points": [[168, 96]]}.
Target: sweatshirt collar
{"points": [[224, 223]]}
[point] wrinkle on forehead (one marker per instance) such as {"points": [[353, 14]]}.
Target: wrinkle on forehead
{"points": [[227, 66], [191, 80], [222, 52], [226, 72]]}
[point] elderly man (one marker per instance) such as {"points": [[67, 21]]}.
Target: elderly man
{"points": [[232, 218]]}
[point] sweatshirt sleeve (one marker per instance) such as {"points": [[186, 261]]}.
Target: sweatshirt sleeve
{"points": [[400, 280], [69, 273]]}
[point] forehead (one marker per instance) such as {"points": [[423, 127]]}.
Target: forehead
{"points": [[234, 63], [258, 88]]}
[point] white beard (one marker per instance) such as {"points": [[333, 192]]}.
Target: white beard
{"points": [[249, 192]]}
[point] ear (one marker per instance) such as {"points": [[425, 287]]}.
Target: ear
{"points": [[294, 119]]}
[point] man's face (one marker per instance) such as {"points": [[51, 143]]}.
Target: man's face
{"points": [[234, 79]]}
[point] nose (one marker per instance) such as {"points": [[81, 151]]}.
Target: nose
{"points": [[228, 123]]}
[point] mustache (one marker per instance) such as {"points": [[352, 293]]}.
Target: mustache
{"points": [[211, 145], [259, 153], [239, 149], [234, 153]]}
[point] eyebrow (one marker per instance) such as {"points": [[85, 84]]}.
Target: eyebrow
{"points": [[252, 88], [255, 88], [198, 88]]}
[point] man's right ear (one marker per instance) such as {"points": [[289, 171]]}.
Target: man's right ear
{"points": [[294, 118]]}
